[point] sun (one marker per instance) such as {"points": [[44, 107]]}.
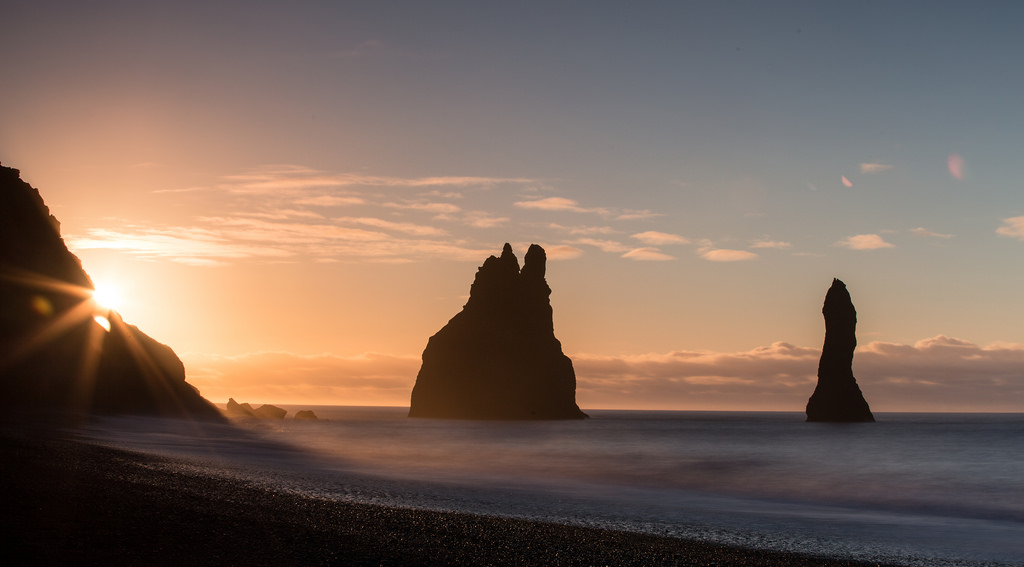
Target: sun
{"points": [[107, 297]]}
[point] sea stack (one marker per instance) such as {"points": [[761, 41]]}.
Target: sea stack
{"points": [[498, 358], [58, 349], [837, 398]]}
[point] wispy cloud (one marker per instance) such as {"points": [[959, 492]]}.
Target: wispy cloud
{"points": [[405, 227], [727, 255], [766, 243], [868, 168], [659, 238], [846, 181], [864, 242], [481, 219], [296, 177], [331, 201], [1013, 227], [558, 204], [439, 208], [630, 214], [603, 245], [647, 254], [924, 232], [562, 252]]}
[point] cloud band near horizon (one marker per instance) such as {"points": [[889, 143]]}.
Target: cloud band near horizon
{"points": [[938, 374]]}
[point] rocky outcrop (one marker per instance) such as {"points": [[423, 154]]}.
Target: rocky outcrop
{"points": [[837, 397], [58, 349], [266, 411], [305, 415], [498, 358]]}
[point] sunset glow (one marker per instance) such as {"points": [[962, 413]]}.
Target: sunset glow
{"points": [[296, 199]]}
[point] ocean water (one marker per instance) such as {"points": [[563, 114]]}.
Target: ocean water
{"points": [[915, 489]]}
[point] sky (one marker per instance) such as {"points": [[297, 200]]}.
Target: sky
{"points": [[296, 195]]}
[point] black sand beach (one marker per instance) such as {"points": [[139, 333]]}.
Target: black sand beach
{"points": [[68, 502]]}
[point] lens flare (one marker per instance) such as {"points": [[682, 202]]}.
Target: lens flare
{"points": [[102, 322], [957, 166]]}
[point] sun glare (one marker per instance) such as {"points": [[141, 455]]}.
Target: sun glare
{"points": [[107, 297]]}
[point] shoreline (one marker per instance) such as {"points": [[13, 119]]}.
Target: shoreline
{"points": [[68, 501]]}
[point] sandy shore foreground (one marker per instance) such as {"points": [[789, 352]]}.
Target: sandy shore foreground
{"points": [[67, 502]]}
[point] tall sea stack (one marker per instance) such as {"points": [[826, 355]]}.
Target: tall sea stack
{"points": [[58, 349], [837, 398], [498, 358]]}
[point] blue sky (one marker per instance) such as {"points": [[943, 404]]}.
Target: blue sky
{"points": [[698, 172]]}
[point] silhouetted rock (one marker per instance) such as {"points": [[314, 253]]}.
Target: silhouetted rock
{"points": [[53, 354], [305, 414], [837, 396], [235, 409], [498, 358], [268, 411]]}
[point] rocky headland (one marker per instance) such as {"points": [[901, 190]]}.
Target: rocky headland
{"points": [[837, 398], [498, 358], [59, 350]]}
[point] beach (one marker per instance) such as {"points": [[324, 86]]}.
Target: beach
{"points": [[72, 502]]}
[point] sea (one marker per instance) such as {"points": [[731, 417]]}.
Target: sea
{"points": [[911, 489]]}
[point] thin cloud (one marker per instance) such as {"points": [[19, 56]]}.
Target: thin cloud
{"points": [[604, 245], [864, 242], [1012, 227], [439, 208], [659, 238], [847, 182], [556, 204], [562, 252], [727, 255], [924, 232], [637, 215], [765, 243], [405, 227], [868, 168], [331, 201], [275, 178], [481, 219], [648, 255]]}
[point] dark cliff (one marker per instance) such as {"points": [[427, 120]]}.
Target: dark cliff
{"points": [[837, 397], [53, 354], [498, 358]]}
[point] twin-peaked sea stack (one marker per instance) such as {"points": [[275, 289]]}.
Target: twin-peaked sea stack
{"points": [[498, 358], [61, 351], [837, 398]]}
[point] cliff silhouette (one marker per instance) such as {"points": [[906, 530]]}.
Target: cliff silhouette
{"points": [[56, 352], [837, 398], [498, 358]]}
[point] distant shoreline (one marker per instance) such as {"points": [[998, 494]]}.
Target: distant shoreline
{"points": [[71, 502]]}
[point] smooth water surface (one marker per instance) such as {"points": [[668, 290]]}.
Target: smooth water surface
{"points": [[922, 489]]}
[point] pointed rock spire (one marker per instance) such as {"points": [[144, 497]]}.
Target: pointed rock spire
{"points": [[498, 358], [837, 397]]}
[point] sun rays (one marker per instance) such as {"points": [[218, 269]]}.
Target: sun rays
{"points": [[75, 344]]}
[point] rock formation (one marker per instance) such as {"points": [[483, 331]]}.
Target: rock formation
{"points": [[305, 414], [266, 411], [53, 353], [837, 397], [498, 358]]}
